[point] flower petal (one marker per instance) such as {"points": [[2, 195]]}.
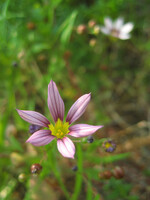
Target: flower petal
{"points": [[66, 147], [83, 130], [127, 28], [55, 102], [33, 117], [108, 23], [40, 138], [124, 36], [78, 108], [105, 30], [118, 23]]}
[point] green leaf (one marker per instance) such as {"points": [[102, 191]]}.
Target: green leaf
{"points": [[67, 27], [97, 197], [37, 48]]}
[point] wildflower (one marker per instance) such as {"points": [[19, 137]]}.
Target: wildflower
{"points": [[61, 129], [81, 29], [117, 29], [109, 146], [91, 23]]}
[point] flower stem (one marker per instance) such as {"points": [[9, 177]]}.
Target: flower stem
{"points": [[56, 172], [78, 182], [58, 177]]}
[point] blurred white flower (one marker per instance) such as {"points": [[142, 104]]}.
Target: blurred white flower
{"points": [[117, 28]]}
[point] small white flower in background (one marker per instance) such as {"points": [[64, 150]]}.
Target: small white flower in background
{"points": [[117, 28]]}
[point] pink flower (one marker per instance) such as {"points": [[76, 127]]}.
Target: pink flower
{"points": [[61, 129]]}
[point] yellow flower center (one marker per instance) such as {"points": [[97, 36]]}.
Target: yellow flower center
{"points": [[60, 129], [115, 32], [108, 145]]}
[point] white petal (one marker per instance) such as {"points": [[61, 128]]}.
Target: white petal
{"points": [[118, 23], [108, 23], [124, 36], [127, 28], [105, 30], [66, 147]]}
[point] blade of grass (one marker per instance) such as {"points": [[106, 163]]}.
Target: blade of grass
{"points": [[54, 168], [89, 191], [79, 179]]}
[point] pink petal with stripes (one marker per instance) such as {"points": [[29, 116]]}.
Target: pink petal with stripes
{"points": [[33, 117], [83, 130], [40, 138], [55, 102], [78, 108], [66, 147]]}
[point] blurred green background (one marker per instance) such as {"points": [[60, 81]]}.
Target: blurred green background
{"points": [[40, 41]]}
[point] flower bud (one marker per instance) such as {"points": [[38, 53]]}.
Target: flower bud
{"points": [[96, 29], [118, 172], [75, 168], [22, 177], [81, 29], [91, 23], [106, 174], [33, 128], [90, 139], [109, 146], [36, 168]]}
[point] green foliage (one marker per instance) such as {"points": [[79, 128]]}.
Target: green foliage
{"points": [[117, 189], [67, 27], [8, 189]]}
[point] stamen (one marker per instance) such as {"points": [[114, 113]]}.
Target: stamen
{"points": [[60, 129]]}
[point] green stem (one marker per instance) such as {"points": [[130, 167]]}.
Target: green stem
{"points": [[56, 172], [89, 195], [78, 182]]}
